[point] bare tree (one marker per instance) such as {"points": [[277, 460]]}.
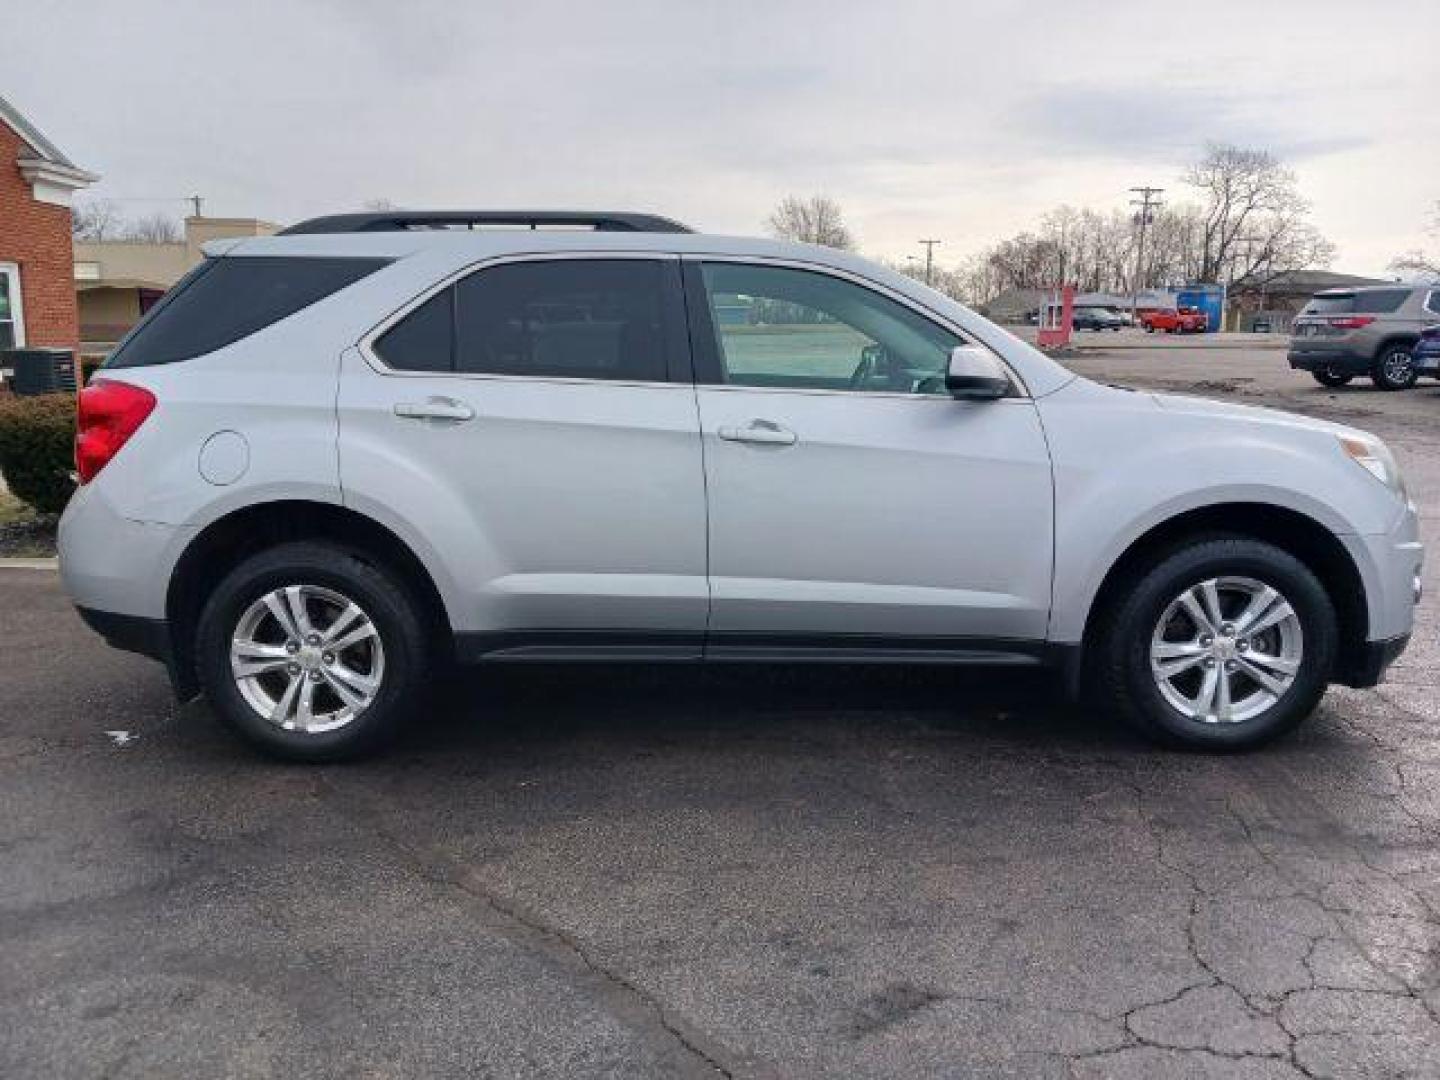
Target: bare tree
{"points": [[101, 219], [1253, 222], [813, 220], [156, 228], [1418, 263], [95, 219]]}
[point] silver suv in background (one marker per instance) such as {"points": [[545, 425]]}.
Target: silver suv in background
{"points": [[1342, 333], [332, 460]]}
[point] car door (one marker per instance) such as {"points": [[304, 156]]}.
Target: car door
{"points": [[851, 499], [532, 426]]}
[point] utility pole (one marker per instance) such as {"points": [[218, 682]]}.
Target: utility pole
{"points": [[929, 258], [1146, 202], [197, 203]]}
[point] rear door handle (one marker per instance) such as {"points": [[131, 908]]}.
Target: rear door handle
{"points": [[435, 408], [762, 432]]}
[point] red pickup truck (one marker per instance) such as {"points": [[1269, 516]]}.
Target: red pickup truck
{"points": [[1185, 320]]}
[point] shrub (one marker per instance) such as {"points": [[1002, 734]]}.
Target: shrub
{"points": [[37, 449]]}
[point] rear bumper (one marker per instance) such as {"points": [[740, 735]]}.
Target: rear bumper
{"points": [[1339, 358], [145, 636], [131, 633]]}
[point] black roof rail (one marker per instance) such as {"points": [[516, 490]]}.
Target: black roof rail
{"points": [[404, 220]]}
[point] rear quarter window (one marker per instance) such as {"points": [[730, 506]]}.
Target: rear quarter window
{"points": [[223, 300], [1360, 302], [1380, 301], [1332, 304]]}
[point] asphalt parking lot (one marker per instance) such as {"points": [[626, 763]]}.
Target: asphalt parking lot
{"points": [[736, 873]]}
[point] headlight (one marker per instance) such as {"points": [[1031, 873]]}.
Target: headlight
{"points": [[1374, 457]]}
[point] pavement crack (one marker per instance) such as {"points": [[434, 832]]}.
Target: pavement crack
{"points": [[628, 999]]}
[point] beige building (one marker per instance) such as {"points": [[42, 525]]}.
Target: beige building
{"points": [[117, 281]]}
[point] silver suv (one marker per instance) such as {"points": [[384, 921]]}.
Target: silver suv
{"points": [[334, 459], [1342, 333]]}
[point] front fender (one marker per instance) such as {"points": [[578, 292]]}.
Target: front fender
{"points": [[1124, 465]]}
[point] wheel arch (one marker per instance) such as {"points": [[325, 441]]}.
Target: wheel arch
{"points": [[225, 542], [1402, 337], [1290, 530]]}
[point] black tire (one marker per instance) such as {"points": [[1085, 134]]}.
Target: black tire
{"points": [[1394, 368], [1331, 377], [392, 610], [1122, 677]]}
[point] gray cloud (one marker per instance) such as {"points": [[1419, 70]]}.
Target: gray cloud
{"points": [[922, 118]]}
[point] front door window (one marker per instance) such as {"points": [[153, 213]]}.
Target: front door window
{"points": [[783, 328]]}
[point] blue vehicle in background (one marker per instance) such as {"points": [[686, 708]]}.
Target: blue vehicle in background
{"points": [[1427, 352]]}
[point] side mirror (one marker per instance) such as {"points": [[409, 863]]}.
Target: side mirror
{"points": [[975, 375]]}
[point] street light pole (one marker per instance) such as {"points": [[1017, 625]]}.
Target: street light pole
{"points": [[929, 258], [1146, 202]]}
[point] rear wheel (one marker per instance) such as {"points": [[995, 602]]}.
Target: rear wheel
{"points": [[1331, 376], [1395, 368], [1224, 644], [311, 652]]}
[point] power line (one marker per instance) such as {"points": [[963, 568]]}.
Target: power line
{"points": [[1146, 202]]}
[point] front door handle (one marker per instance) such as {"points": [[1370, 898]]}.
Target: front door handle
{"points": [[762, 432], [435, 408]]}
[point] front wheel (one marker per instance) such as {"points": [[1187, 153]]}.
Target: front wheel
{"points": [[1224, 644], [312, 652], [1395, 368], [1331, 376]]}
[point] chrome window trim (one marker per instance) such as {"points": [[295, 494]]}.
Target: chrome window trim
{"points": [[366, 345], [864, 282]]}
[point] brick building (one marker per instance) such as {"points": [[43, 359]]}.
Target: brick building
{"points": [[37, 272]]}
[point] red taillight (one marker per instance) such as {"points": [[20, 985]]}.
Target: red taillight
{"points": [[108, 414], [1351, 322]]}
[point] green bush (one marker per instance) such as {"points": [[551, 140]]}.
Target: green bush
{"points": [[37, 449]]}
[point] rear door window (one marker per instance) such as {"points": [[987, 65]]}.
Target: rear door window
{"points": [[575, 318], [223, 300]]}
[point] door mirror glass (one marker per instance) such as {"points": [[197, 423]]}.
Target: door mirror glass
{"points": [[975, 374]]}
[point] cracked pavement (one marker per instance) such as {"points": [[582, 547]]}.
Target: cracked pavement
{"points": [[740, 872]]}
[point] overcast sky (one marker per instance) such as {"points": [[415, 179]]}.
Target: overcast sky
{"points": [[962, 121]]}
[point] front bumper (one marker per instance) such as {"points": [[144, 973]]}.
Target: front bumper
{"points": [[1368, 669], [1427, 359], [1390, 566]]}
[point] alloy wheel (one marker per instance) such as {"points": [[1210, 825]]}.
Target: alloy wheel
{"points": [[307, 658], [1226, 649], [1398, 363]]}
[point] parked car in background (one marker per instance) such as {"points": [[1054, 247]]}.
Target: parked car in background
{"points": [[333, 460], [1372, 330], [1182, 320], [1096, 318], [1427, 352]]}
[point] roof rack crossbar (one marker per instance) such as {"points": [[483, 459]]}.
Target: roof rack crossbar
{"points": [[405, 220]]}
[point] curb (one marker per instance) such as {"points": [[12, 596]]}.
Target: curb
{"points": [[30, 564]]}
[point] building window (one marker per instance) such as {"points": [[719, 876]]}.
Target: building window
{"points": [[12, 324]]}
